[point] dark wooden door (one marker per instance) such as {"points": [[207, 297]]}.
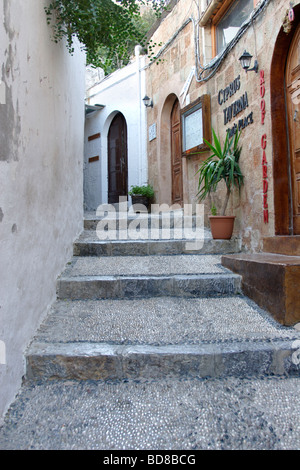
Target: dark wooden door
{"points": [[293, 110], [176, 155], [117, 159]]}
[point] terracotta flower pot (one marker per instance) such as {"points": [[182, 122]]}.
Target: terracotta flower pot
{"points": [[221, 226]]}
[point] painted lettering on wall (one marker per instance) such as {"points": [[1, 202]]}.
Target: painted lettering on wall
{"points": [[242, 123], [262, 94], [235, 108], [263, 147], [228, 91], [265, 178]]}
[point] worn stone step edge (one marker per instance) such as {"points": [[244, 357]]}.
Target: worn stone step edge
{"points": [[105, 287], [154, 220], [92, 361], [93, 247]]}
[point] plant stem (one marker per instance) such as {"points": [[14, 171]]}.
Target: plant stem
{"points": [[226, 201]]}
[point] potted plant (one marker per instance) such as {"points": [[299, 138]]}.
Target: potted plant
{"points": [[221, 165], [141, 195]]}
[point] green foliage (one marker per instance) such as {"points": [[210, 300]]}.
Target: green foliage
{"points": [[100, 25], [213, 210], [145, 190], [142, 24], [221, 165]]}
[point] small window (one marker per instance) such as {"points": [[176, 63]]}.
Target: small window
{"points": [[227, 23]]}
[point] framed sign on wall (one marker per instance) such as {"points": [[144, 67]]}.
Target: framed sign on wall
{"points": [[196, 126]]}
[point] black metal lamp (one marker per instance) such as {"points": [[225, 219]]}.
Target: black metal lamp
{"points": [[148, 102], [245, 60]]}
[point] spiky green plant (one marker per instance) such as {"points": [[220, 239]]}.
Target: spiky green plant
{"points": [[221, 165]]}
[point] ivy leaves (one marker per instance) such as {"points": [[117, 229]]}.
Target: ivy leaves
{"points": [[99, 25]]}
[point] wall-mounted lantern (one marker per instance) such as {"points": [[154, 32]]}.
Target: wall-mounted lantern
{"points": [[245, 60], [148, 102]]}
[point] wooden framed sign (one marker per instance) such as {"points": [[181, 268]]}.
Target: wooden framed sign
{"points": [[196, 126]]}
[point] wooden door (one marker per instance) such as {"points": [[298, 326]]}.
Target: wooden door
{"points": [[293, 110], [117, 159], [176, 155]]}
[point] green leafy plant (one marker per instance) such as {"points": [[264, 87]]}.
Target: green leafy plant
{"points": [[144, 190], [104, 28], [213, 210], [221, 165]]}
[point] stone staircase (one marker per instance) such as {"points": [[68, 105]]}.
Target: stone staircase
{"points": [[154, 308]]}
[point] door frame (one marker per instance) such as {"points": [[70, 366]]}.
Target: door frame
{"points": [[118, 115], [280, 130], [172, 136], [293, 165]]}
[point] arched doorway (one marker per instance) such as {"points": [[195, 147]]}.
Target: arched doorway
{"points": [[176, 155], [292, 88], [117, 159], [168, 116], [285, 132]]}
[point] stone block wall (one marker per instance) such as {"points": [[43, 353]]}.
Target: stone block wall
{"points": [[165, 81]]}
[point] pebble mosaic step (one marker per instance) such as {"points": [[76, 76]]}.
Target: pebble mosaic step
{"points": [[157, 338], [89, 245], [122, 277]]}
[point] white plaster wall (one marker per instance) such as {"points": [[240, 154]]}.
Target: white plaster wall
{"points": [[41, 167], [122, 91]]}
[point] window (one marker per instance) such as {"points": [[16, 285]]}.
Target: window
{"points": [[224, 19], [229, 24]]}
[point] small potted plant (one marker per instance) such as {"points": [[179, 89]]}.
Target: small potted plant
{"points": [[221, 165], [141, 195]]}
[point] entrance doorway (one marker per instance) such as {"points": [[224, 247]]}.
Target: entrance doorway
{"points": [[285, 129], [176, 156], [292, 83], [117, 159]]}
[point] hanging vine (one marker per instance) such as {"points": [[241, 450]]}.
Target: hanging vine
{"points": [[99, 25]]}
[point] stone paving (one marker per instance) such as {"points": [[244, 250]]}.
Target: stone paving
{"points": [[157, 367], [185, 416]]}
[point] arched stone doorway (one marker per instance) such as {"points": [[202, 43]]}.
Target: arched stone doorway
{"points": [[171, 171], [117, 159], [285, 132]]}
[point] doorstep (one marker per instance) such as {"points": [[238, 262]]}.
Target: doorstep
{"points": [[272, 280]]}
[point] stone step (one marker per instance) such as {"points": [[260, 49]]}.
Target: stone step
{"points": [[284, 245], [89, 245], [154, 220], [272, 280], [146, 276], [159, 338]]}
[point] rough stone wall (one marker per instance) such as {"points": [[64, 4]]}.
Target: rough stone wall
{"points": [[41, 159], [165, 79], [168, 76]]}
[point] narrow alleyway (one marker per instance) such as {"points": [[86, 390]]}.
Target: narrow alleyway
{"points": [[150, 346]]}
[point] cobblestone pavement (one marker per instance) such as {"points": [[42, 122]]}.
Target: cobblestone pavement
{"points": [[196, 414]]}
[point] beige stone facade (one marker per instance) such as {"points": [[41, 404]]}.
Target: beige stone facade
{"points": [[237, 98]]}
